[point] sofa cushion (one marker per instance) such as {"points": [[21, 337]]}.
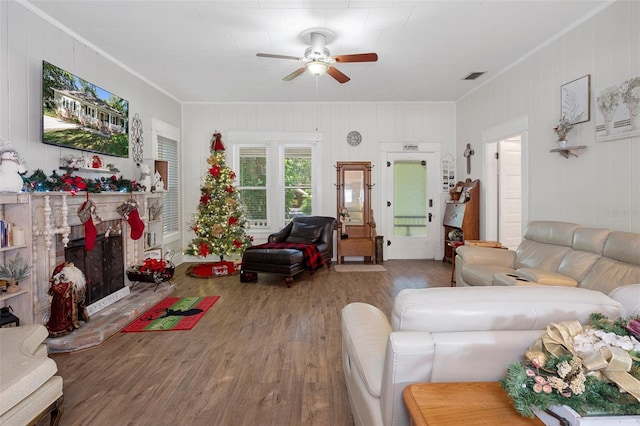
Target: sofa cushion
{"points": [[549, 232], [303, 233], [590, 239], [538, 276], [576, 263], [496, 308], [482, 275], [534, 254], [623, 246]]}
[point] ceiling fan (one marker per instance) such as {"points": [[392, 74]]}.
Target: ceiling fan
{"points": [[317, 58]]}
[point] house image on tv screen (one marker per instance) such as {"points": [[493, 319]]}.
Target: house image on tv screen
{"points": [[81, 115]]}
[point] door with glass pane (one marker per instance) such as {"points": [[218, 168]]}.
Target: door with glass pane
{"points": [[412, 206]]}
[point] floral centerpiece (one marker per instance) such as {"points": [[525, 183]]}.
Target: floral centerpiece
{"points": [[593, 370], [562, 129], [151, 270]]}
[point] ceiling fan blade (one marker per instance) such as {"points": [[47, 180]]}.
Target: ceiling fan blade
{"points": [[269, 55], [294, 74], [338, 75], [358, 57]]}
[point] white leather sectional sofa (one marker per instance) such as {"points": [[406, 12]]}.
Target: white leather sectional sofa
{"points": [[454, 335], [555, 253]]}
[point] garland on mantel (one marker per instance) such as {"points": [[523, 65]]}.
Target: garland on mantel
{"points": [[40, 182]]}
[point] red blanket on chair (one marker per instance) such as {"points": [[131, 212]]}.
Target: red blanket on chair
{"points": [[312, 256]]}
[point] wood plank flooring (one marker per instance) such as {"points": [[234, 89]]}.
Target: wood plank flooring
{"points": [[264, 354]]}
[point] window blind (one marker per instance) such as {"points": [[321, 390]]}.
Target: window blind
{"points": [[168, 151]]}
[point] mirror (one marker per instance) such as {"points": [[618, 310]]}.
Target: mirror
{"points": [[353, 195]]}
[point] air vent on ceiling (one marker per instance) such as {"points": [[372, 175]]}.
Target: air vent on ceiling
{"points": [[473, 75]]}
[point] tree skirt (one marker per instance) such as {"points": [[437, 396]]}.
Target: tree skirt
{"points": [[213, 269]]}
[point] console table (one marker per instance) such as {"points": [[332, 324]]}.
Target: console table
{"points": [[453, 404]]}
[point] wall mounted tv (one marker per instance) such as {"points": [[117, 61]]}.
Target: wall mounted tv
{"points": [[80, 115]]}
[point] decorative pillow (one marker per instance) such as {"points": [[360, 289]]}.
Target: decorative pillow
{"points": [[303, 233]]}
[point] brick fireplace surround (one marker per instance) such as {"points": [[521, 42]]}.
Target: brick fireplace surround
{"points": [[55, 223]]}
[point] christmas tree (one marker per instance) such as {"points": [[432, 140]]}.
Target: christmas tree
{"points": [[219, 223]]}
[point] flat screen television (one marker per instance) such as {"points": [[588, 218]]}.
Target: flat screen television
{"points": [[80, 115]]}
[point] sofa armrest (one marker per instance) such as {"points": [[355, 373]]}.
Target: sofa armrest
{"points": [[365, 330], [409, 359], [474, 255], [537, 276], [629, 298]]}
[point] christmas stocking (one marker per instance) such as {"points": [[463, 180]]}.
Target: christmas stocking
{"points": [[136, 224], [129, 211], [90, 232]]}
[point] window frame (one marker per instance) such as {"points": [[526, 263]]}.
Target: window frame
{"points": [[275, 143]]}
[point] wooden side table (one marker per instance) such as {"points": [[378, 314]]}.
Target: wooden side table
{"points": [[454, 404]]}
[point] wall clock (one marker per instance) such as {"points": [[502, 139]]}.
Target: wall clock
{"points": [[354, 138]]}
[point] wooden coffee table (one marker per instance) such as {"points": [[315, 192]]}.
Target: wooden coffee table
{"points": [[454, 404]]}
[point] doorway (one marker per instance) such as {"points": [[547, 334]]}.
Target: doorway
{"points": [[412, 206], [504, 191]]}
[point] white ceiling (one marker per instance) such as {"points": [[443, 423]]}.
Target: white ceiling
{"points": [[205, 51]]}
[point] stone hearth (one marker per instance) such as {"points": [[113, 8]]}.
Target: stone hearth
{"points": [[111, 319]]}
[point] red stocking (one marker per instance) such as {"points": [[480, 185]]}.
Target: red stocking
{"points": [[136, 224], [90, 232]]}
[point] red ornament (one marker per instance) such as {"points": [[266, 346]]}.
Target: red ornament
{"points": [[195, 229], [237, 243], [216, 142], [229, 189], [204, 249], [233, 220], [205, 199], [232, 174], [215, 171]]}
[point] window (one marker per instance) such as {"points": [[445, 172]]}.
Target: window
{"points": [[276, 181], [298, 166], [252, 183], [168, 151]]}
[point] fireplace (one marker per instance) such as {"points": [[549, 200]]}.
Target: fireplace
{"points": [[58, 235], [103, 267]]}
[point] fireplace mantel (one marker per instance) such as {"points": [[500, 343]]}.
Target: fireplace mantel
{"points": [[54, 216]]}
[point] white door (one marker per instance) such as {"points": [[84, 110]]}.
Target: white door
{"points": [[510, 193], [503, 192], [412, 205]]}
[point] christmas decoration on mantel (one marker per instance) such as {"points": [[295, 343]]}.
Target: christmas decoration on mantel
{"points": [[40, 182], [219, 223]]}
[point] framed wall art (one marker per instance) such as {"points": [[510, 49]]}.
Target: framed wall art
{"points": [[576, 100], [617, 111]]}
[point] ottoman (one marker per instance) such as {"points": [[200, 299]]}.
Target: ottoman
{"points": [[284, 262]]}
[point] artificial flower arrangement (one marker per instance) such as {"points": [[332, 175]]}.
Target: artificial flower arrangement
{"points": [[593, 370], [152, 270], [562, 129]]}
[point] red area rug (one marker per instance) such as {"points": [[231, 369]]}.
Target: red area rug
{"points": [[173, 313], [212, 269]]}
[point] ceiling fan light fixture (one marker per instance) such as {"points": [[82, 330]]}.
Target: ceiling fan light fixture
{"points": [[317, 67]]}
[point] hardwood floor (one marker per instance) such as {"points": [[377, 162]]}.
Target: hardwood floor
{"points": [[264, 354]]}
